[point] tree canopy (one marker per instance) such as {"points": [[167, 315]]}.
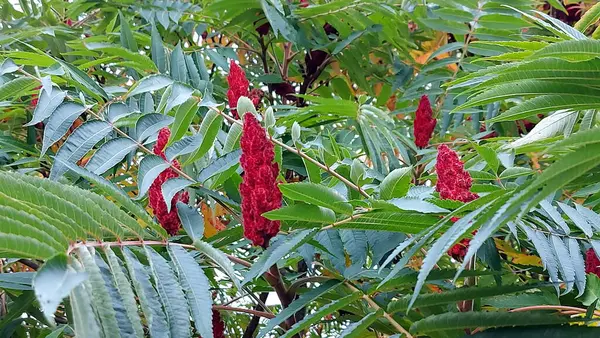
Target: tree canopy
{"points": [[299, 168]]}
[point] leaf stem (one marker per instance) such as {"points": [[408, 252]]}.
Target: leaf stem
{"points": [[239, 309], [345, 220], [356, 3], [553, 307], [376, 307], [568, 310]]}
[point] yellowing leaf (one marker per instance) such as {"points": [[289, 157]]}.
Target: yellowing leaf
{"points": [[530, 260], [517, 257], [212, 222]]}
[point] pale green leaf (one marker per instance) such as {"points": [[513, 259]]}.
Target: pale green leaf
{"points": [[316, 316], [196, 287], [219, 258], [171, 294], [101, 299], [123, 285], [220, 165], [183, 118], [158, 50], [179, 94], [171, 187], [515, 172], [150, 124], [78, 144], [150, 83], [110, 154], [178, 68], [150, 167], [85, 322], [47, 104], [558, 123], [59, 123], [148, 297], [209, 128], [53, 282], [276, 251], [184, 146], [117, 111], [191, 219], [302, 212], [316, 194], [589, 18]]}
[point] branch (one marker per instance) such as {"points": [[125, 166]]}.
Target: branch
{"points": [[312, 78], [276, 282], [553, 307], [86, 18], [346, 220], [253, 324], [29, 263], [239, 309], [356, 3], [312, 279], [376, 307]]}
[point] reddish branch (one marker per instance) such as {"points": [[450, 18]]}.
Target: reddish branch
{"points": [[239, 309]]}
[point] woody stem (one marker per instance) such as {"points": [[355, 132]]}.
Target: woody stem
{"points": [[238, 309], [375, 306], [274, 279]]}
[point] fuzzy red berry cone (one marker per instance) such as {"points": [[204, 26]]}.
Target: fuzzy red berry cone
{"points": [[459, 250], [34, 98], [592, 263], [424, 123], [218, 325], [454, 182], [168, 220], [238, 86], [256, 96], [258, 190]]}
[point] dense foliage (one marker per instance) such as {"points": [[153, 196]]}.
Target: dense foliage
{"points": [[299, 168]]}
